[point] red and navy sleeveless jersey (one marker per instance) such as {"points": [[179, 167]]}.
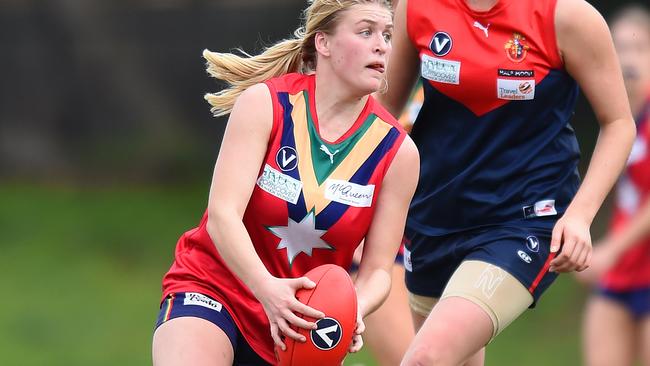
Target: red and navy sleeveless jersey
{"points": [[632, 271], [312, 204], [493, 133]]}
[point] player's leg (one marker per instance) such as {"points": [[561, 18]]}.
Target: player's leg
{"points": [[479, 300], [608, 333], [388, 331], [429, 263], [644, 339], [454, 330], [641, 306], [191, 341], [421, 307], [193, 334]]}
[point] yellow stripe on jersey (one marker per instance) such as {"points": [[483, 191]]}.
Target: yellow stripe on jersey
{"points": [[313, 192]]}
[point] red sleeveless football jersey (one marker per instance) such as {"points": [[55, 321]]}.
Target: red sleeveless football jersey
{"points": [[313, 204], [493, 132], [484, 59]]}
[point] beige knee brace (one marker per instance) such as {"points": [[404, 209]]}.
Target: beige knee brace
{"points": [[496, 291]]}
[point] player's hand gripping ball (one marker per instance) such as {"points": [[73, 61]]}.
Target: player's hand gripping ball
{"points": [[327, 345]]}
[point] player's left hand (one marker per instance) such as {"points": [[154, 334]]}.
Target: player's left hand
{"points": [[357, 340], [571, 238]]}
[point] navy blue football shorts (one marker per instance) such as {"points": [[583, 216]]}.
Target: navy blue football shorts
{"points": [[636, 302], [521, 249], [198, 305]]}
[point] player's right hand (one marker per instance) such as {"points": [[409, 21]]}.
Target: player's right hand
{"points": [[278, 297], [572, 241]]}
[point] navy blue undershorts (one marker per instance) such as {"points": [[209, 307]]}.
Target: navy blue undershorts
{"points": [[197, 305]]}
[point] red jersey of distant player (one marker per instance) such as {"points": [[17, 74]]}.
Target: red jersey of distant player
{"points": [[632, 271], [312, 204]]}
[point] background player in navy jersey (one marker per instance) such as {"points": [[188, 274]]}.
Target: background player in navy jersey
{"points": [[499, 209], [617, 319], [302, 125]]}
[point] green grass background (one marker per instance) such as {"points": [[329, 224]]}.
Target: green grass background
{"points": [[81, 271]]}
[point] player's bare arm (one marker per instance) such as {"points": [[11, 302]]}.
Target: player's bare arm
{"points": [[385, 233], [588, 53], [242, 153]]}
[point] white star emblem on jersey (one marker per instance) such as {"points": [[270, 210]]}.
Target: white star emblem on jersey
{"points": [[300, 237]]}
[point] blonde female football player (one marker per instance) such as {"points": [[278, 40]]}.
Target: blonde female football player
{"points": [[310, 165]]}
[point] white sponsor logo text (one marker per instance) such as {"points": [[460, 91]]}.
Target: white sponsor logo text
{"points": [[351, 194], [442, 71], [511, 89], [194, 298], [280, 185]]}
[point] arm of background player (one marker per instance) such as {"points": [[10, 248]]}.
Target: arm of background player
{"points": [[608, 252], [589, 57], [242, 153], [403, 66]]}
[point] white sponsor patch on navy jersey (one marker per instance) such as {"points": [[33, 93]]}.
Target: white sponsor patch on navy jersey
{"points": [[540, 209]]}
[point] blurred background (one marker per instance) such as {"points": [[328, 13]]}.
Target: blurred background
{"points": [[106, 153]]}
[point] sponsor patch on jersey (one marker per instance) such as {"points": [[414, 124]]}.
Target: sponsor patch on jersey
{"points": [[441, 44], [442, 71], [280, 185], [350, 194], [540, 209], [516, 48], [287, 158], [193, 298], [408, 264], [509, 73], [511, 89]]}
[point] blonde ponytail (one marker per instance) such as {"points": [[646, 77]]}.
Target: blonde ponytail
{"points": [[242, 72]]}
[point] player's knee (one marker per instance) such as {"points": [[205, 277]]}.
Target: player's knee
{"points": [[428, 355]]}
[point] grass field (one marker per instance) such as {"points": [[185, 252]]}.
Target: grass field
{"points": [[81, 272]]}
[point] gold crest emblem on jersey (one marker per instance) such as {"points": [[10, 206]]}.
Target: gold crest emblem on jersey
{"points": [[517, 48]]}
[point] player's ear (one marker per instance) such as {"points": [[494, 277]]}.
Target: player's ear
{"points": [[322, 43]]}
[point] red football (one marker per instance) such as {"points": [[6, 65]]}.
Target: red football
{"points": [[335, 296]]}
